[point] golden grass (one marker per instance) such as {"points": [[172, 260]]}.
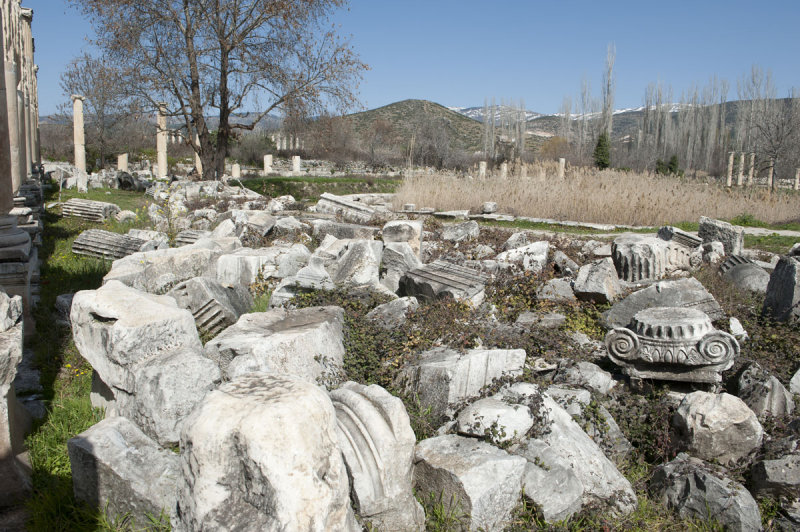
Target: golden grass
{"points": [[607, 196]]}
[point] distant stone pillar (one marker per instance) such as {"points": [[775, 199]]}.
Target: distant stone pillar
{"points": [[771, 174], [37, 147], [198, 163], [296, 164], [122, 162], [751, 173], [562, 166], [482, 169], [740, 175], [12, 120], [236, 170], [729, 181], [797, 179], [24, 164], [77, 132], [504, 170], [161, 141], [267, 164]]}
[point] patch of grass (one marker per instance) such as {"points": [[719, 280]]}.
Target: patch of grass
{"points": [[124, 199], [773, 243], [442, 514], [311, 188]]}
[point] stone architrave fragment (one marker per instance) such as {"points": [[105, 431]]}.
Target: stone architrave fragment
{"points": [[378, 447], [350, 211], [441, 279], [745, 274], [672, 343]]}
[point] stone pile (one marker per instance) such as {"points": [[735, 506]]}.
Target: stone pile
{"points": [[303, 448]]}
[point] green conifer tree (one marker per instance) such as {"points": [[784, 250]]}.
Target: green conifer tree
{"points": [[602, 152]]}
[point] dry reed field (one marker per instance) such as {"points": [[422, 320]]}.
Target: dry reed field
{"points": [[607, 196]]}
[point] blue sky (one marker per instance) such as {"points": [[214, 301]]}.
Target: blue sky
{"points": [[458, 53]]}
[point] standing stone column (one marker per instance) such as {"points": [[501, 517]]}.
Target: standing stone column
{"points": [[26, 18], [562, 166], [10, 105], [504, 170], [296, 164], [283, 142], [729, 181], [771, 174], [482, 169], [740, 175], [24, 164], [77, 132], [236, 170], [267, 164], [122, 162], [198, 162], [37, 146], [752, 171], [161, 141], [797, 179]]}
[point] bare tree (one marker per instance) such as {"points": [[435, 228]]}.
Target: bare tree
{"points": [[108, 106], [609, 89], [227, 55]]}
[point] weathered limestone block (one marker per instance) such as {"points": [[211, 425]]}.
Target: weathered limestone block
{"points": [[516, 240], [281, 203], [563, 264], [94, 211], [167, 388], [731, 236], [190, 236], [360, 264], [683, 249], [244, 266], [639, 257], [745, 274], [532, 257], [213, 305], [443, 377], [340, 230], [306, 343], [117, 327], [495, 419], [14, 423], [461, 232], [476, 481], [378, 447], [688, 293], [350, 211], [258, 223], [717, 427], [697, 492], [289, 225], [409, 231], [393, 314], [311, 277], [441, 279], [567, 445], [554, 488], [778, 478], [398, 258], [160, 270], [105, 244], [556, 290], [672, 343], [783, 291], [117, 469], [262, 453], [763, 393], [586, 375], [597, 281]]}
